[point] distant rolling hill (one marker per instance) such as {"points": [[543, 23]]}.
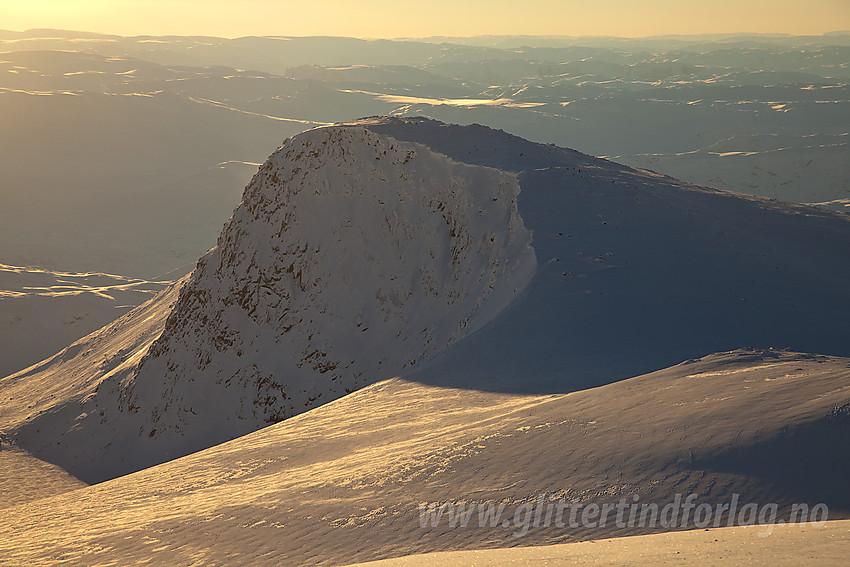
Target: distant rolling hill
{"points": [[41, 312]]}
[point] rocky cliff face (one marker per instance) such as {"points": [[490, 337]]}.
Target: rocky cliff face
{"points": [[394, 246], [351, 257]]}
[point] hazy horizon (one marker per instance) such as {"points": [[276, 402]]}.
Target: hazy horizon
{"points": [[382, 19], [445, 37]]}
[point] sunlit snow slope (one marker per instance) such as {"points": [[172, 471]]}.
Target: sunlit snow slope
{"points": [[783, 547], [450, 255], [342, 483]]}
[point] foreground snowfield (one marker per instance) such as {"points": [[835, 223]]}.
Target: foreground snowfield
{"points": [[343, 483], [826, 545]]}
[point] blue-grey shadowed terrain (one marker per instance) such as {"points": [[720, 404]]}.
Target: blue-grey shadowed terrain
{"points": [[637, 272]]}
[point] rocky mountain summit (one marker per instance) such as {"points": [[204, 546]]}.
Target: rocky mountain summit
{"points": [[450, 255]]}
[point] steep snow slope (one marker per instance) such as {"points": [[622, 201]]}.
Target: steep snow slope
{"points": [[42, 312], [49, 395], [343, 483], [23, 478], [363, 248]]}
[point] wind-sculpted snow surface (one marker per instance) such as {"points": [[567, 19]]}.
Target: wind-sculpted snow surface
{"points": [[346, 482], [351, 257]]}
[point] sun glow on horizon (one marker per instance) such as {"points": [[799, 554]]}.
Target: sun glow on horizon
{"points": [[390, 19]]}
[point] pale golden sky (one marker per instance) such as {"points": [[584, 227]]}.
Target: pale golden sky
{"points": [[404, 18]]}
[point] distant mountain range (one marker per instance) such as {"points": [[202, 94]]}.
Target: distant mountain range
{"points": [[135, 149]]}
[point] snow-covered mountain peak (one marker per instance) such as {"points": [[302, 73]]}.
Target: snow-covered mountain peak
{"points": [[366, 250], [351, 257], [349, 247]]}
